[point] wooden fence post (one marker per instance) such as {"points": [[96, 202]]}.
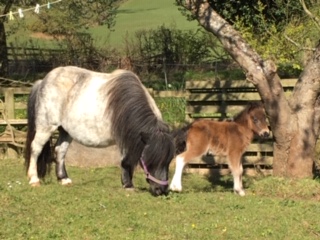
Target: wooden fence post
{"points": [[9, 102]]}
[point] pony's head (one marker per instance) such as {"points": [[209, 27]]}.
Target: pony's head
{"points": [[258, 119], [155, 159]]}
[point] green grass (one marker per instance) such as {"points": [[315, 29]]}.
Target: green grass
{"points": [[134, 15], [96, 207], [172, 109]]}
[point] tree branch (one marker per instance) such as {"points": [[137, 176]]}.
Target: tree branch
{"points": [[313, 17], [298, 45], [6, 10]]}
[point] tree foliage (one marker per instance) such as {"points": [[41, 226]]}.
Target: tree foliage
{"points": [[173, 45], [73, 16], [294, 119], [64, 20], [277, 29]]}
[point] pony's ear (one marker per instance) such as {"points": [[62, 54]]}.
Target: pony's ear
{"points": [[144, 137]]}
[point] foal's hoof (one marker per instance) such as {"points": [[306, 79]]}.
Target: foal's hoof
{"points": [[240, 192], [65, 181], [174, 188]]}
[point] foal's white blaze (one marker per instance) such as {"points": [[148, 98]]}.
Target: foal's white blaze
{"points": [[176, 180]]}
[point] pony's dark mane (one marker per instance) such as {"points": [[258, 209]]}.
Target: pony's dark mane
{"points": [[242, 116], [127, 91]]}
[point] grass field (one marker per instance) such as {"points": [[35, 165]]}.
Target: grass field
{"points": [[96, 207], [133, 15]]}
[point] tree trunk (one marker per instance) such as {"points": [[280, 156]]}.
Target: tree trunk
{"points": [[3, 41], [3, 52], [294, 121]]}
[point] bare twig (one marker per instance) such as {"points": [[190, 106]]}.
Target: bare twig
{"points": [[298, 45]]}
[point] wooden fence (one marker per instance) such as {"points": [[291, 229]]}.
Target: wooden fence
{"points": [[12, 138], [204, 99]]}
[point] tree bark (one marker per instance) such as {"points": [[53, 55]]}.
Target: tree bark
{"points": [[294, 121]]}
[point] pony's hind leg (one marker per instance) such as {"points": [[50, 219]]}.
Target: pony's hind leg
{"points": [[127, 172], [39, 149], [61, 148], [236, 168]]}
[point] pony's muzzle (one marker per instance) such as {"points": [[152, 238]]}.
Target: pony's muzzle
{"points": [[158, 190]]}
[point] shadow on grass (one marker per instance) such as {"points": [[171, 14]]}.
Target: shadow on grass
{"points": [[212, 182]]}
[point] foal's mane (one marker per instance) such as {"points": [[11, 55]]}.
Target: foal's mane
{"points": [[131, 113], [242, 117]]}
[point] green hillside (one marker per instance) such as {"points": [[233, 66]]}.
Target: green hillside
{"points": [[134, 15]]}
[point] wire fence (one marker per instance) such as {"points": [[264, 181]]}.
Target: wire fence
{"points": [[26, 65]]}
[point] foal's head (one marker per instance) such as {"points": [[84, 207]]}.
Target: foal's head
{"points": [[258, 120], [157, 154]]}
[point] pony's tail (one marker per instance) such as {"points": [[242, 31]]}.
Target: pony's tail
{"points": [[180, 139], [45, 158]]}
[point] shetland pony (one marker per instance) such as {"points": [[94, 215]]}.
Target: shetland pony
{"points": [[227, 138], [97, 109]]}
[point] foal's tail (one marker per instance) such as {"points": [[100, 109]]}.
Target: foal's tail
{"points": [[180, 138], [45, 158]]}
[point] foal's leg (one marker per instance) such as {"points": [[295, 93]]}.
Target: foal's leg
{"points": [[61, 148], [127, 172], [175, 184], [194, 150], [236, 168]]}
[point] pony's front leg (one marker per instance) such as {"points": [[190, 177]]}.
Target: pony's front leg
{"points": [[237, 171], [127, 173], [61, 148], [176, 180]]}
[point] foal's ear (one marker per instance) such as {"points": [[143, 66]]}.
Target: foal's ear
{"points": [[253, 105], [144, 137]]}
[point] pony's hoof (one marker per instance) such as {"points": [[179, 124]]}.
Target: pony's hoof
{"points": [[65, 181], [128, 186], [34, 184]]}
